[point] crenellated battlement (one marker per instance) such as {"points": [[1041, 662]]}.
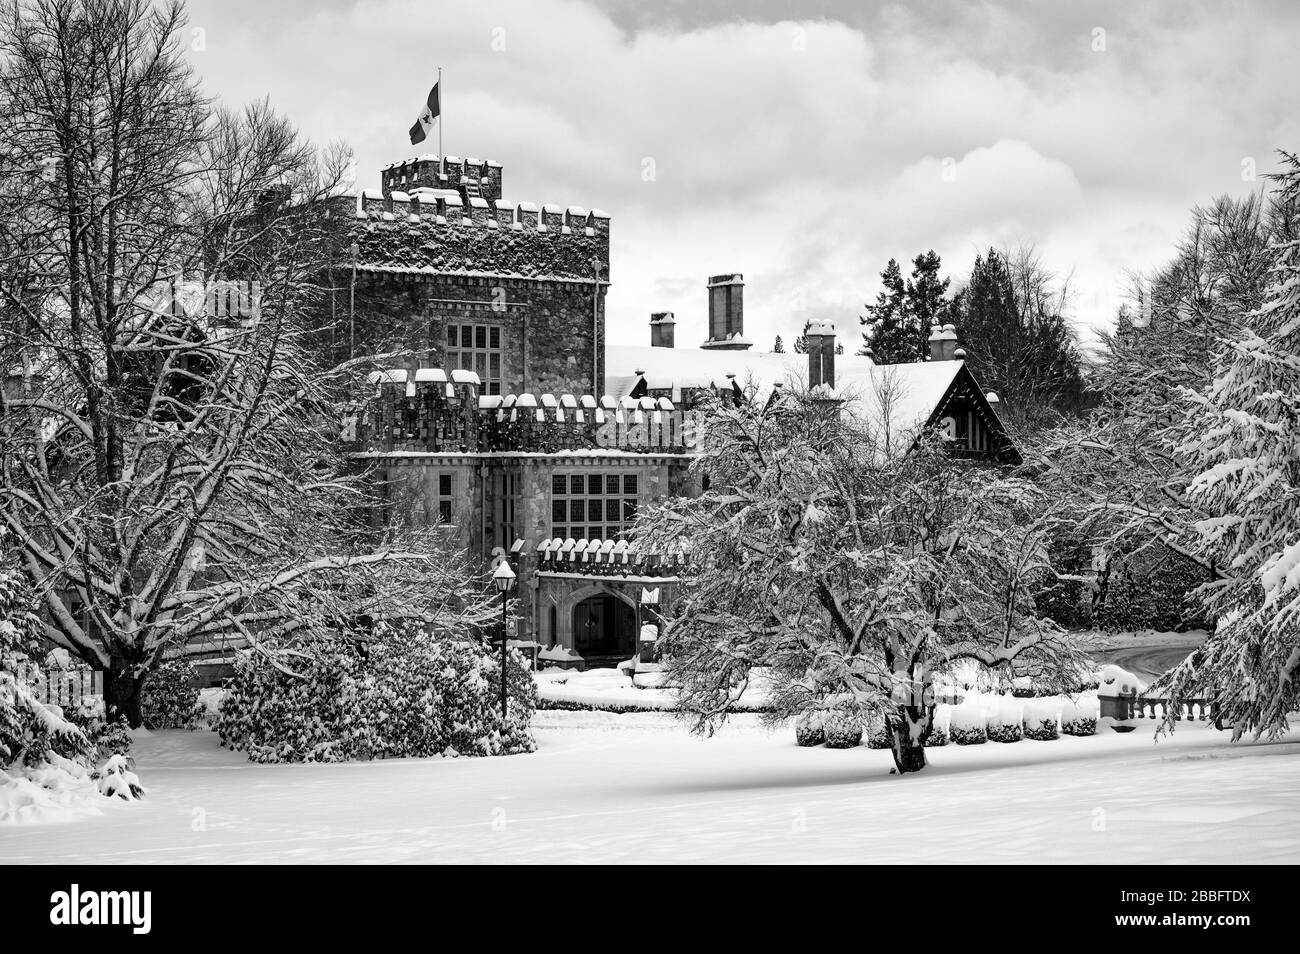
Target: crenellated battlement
{"points": [[445, 207], [435, 411], [437, 231], [480, 177]]}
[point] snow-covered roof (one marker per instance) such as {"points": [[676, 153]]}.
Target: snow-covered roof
{"points": [[905, 394]]}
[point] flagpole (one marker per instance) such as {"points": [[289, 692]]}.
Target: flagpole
{"points": [[442, 161]]}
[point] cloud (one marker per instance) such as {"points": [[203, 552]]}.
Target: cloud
{"points": [[803, 153]]}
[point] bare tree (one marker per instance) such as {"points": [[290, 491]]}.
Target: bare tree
{"points": [[171, 465]]}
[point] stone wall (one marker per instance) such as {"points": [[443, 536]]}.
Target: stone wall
{"points": [[547, 327]]}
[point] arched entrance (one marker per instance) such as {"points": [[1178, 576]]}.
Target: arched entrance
{"points": [[604, 629]]}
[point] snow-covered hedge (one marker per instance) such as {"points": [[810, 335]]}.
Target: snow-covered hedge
{"points": [[409, 695], [1079, 715], [966, 724], [878, 733], [171, 697], [843, 729], [809, 728], [1004, 721], [1042, 718], [938, 736]]}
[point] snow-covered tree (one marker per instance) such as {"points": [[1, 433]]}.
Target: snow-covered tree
{"points": [[1241, 439], [172, 466], [1124, 465], [849, 571]]}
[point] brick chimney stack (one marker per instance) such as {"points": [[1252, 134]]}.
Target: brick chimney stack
{"points": [[662, 326], [727, 313], [943, 343], [820, 342]]}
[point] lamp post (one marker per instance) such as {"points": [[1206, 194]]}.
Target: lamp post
{"points": [[648, 598], [503, 577]]}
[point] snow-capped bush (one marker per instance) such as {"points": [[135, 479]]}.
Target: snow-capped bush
{"points": [[1041, 719], [878, 732], [171, 697], [966, 723], [843, 729], [410, 695], [106, 738], [1079, 715], [1003, 724], [938, 736], [809, 729], [116, 780]]}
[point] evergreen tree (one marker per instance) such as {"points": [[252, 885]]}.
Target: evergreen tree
{"points": [[778, 346], [927, 304], [898, 324], [1242, 438], [885, 323], [1010, 319]]}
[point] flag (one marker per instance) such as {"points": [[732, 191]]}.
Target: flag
{"points": [[432, 110]]}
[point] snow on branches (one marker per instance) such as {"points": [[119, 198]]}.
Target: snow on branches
{"points": [[1242, 440], [172, 464], [848, 573]]}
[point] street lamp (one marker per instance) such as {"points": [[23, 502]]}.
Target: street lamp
{"points": [[648, 598], [504, 578]]}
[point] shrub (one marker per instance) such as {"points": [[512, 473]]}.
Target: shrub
{"points": [[936, 738], [1041, 718], [407, 694], [843, 729], [1004, 723], [878, 735], [171, 697], [966, 724], [809, 729], [1079, 715], [1079, 726]]}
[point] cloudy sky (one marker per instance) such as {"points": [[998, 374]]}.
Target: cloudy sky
{"points": [[801, 143]]}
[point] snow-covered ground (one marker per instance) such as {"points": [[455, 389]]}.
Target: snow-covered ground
{"points": [[606, 787]]}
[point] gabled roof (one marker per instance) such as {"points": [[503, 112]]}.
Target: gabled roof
{"points": [[906, 397], [911, 391]]}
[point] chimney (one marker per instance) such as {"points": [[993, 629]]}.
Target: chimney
{"points": [[820, 342], [727, 313], [662, 324], [943, 343]]}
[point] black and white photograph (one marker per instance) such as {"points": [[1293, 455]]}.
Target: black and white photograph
{"points": [[567, 432]]}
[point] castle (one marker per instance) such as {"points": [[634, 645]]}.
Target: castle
{"points": [[509, 420]]}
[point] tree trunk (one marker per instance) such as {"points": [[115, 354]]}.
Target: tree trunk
{"points": [[122, 690], [908, 739]]}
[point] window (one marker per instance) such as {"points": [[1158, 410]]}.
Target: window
{"points": [[593, 506], [476, 348], [444, 498], [508, 493]]}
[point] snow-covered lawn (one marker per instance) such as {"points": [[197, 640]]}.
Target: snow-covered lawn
{"points": [[636, 787]]}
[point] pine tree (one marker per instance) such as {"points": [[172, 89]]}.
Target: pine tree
{"points": [[898, 324], [1011, 320], [885, 323], [778, 346], [927, 305], [1243, 440]]}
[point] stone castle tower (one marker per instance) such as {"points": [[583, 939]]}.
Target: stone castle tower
{"points": [[437, 263]]}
